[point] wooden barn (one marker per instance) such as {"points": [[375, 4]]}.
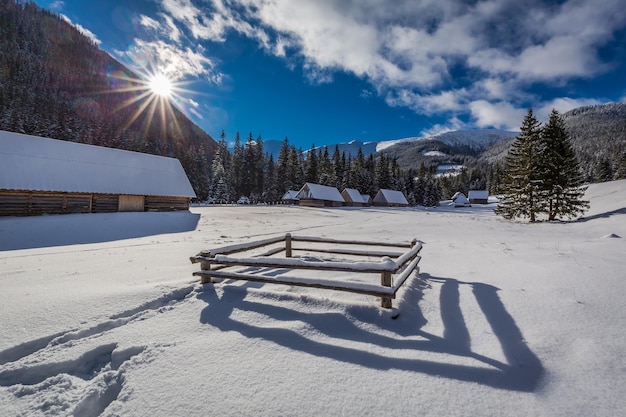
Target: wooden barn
{"points": [[353, 197], [47, 176], [316, 195], [367, 199], [390, 198], [478, 196]]}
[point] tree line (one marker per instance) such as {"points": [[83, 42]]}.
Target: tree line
{"points": [[249, 171]]}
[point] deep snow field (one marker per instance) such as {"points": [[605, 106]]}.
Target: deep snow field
{"points": [[100, 315]]}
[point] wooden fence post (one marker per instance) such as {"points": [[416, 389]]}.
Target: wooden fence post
{"points": [[288, 245], [385, 280], [205, 266]]}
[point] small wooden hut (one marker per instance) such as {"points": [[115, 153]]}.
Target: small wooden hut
{"points": [[390, 198], [478, 196], [353, 197], [459, 200], [290, 197], [316, 195]]}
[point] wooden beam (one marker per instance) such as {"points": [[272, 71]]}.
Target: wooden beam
{"points": [[347, 242], [299, 282], [385, 281], [288, 245]]}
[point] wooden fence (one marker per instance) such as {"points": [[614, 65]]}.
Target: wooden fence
{"points": [[394, 267]]}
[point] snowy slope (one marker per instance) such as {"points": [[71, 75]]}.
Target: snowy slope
{"points": [[475, 139], [101, 316]]}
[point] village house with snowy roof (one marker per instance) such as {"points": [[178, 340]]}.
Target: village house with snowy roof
{"points": [[290, 197], [353, 197], [390, 198], [48, 176], [459, 200], [478, 196], [317, 195]]}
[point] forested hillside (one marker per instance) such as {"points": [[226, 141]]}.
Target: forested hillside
{"points": [[599, 136], [54, 82]]}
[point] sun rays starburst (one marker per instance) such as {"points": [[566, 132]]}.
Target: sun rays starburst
{"points": [[154, 94]]}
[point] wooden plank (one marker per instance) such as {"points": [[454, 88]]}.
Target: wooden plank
{"points": [[226, 250], [372, 267], [354, 252], [408, 256], [406, 274], [298, 282], [348, 242]]}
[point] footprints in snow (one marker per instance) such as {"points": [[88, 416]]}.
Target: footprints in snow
{"points": [[102, 368]]}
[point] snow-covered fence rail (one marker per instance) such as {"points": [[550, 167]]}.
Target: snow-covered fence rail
{"points": [[394, 267]]}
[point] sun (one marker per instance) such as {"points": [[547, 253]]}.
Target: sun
{"points": [[160, 85]]}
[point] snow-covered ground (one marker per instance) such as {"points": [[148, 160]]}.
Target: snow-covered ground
{"points": [[100, 315]]}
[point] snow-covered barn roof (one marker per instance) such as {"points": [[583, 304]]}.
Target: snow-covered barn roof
{"points": [[319, 192], [478, 194], [32, 163], [392, 196], [290, 195], [354, 195]]}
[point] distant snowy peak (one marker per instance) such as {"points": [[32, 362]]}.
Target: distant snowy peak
{"points": [[475, 139]]}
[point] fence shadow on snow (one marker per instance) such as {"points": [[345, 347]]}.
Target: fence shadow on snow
{"points": [[521, 371]]}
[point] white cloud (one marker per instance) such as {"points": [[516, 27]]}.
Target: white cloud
{"points": [[82, 30], [501, 115], [57, 5], [562, 105], [174, 62], [195, 113], [450, 126]]}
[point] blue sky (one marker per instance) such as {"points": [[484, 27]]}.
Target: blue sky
{"points": [[330, 71]]}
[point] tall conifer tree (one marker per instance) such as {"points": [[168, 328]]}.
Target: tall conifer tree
{"points": [[522, 180], [562, 189]]}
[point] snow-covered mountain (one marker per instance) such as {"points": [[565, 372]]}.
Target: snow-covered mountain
{"points": [[475, 140]]}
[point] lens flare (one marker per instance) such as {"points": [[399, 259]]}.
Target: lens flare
{"points": [[160, 85]]}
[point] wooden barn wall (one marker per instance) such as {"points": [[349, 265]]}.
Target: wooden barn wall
{"points": [[105, 203], [32, 203], [157, 203], [17, 203]]}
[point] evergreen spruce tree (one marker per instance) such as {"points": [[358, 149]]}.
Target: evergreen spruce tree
{"points": [[220, 185], [237, 167], [562, 187], [312, 166], [338, 169], [383, 175], [522, 180], [281, 167], [621, 168]]}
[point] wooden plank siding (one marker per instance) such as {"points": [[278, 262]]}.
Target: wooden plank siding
{"points": [[33, 203], [105, 203], [158, 203], [16, 203]]}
